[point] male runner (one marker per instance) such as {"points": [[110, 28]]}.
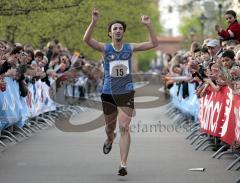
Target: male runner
{"points": [[118, 91]]}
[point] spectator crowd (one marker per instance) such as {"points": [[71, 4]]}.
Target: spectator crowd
{"points": [[211, 65], [27, 65]]}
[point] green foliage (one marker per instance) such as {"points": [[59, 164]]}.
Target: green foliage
{"points": [[190, 22], [216, 16], [144, 59], [39, 21]]}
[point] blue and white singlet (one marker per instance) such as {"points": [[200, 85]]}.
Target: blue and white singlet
{"points": [[117, 70]]}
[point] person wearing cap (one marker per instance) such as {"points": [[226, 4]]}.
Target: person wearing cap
{"points": [[118, 91], [233, 30], [214, 49]]}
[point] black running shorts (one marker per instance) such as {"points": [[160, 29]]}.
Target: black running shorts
{"points": [[111, 102]]}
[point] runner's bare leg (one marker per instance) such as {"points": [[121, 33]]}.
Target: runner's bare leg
{"points": [[110, 121], [124, 118]]}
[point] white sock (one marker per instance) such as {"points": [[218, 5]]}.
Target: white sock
{"points": [[124, 166]]}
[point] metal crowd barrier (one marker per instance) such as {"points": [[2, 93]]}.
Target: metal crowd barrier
{"points": [[20, 117], [209, 120]]}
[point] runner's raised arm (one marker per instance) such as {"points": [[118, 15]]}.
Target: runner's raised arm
{"points": [[87, 38], [153, 42]]}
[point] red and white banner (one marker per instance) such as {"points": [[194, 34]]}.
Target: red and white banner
{"points": [[237, 117], [228, 127], [212, 109], [219, 115]]}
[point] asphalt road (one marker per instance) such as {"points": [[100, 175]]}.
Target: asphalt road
{"points": [[156, 155]]}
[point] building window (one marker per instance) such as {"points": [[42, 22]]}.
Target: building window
{"points": [[170, 9]]}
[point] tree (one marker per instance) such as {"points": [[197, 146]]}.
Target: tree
{"points": [[214, 12], [190, 29], [40, 21]]}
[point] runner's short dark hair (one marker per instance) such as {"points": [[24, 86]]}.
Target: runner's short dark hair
{"points": [[114, 22]]}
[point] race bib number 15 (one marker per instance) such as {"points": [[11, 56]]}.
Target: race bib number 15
{"points": [[119, 68]]}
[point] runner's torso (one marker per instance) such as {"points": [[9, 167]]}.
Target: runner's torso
{"points": [[117, 70]]}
